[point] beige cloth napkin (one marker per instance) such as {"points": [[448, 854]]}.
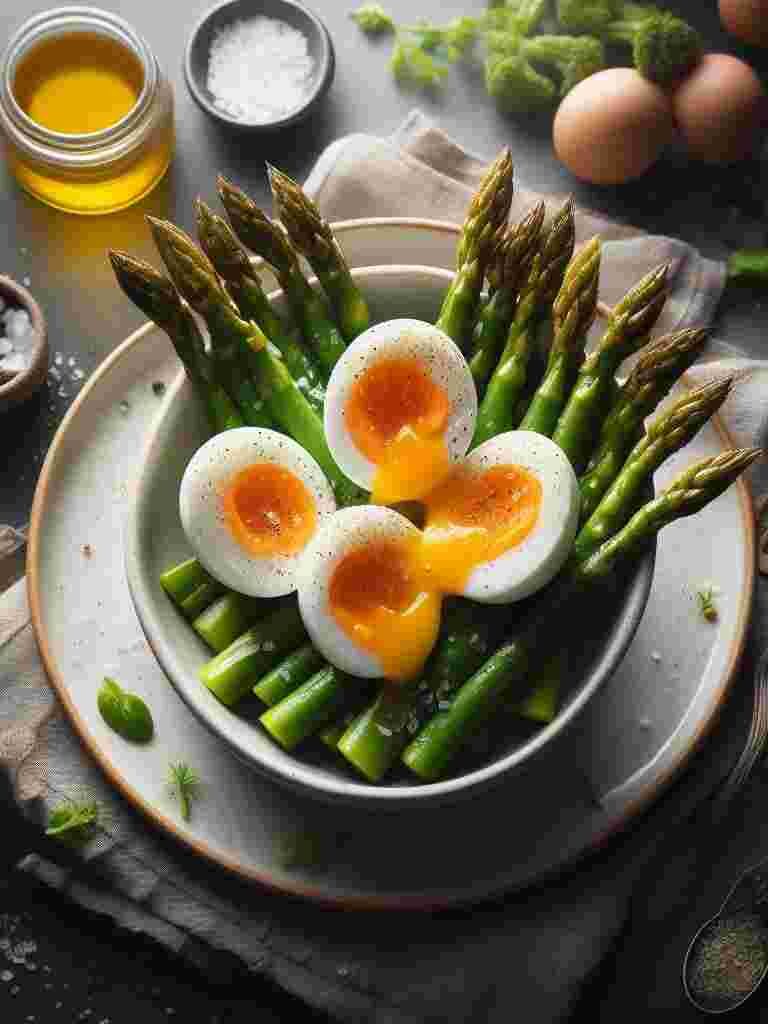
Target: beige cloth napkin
{"points": [[532, 951]]}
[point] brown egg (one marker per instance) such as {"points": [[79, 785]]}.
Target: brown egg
{"points": [[746, 19], [721, 109], [612, 126]]}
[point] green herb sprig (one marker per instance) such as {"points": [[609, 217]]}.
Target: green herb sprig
{"points": [[75, 821], [185, 786]]}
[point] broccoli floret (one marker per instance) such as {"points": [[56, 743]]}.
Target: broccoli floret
{"points": [[591, 16], [518, 16], [373, 19], [516, 86], [573, 57], [664, 47]]}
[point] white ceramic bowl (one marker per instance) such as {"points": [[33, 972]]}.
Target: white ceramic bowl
{"points": [[155, 540]]}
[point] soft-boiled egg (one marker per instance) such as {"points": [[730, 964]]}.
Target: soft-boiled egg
{"points": [[363, 596], [502, 524], [400, 409], [250, 501]]}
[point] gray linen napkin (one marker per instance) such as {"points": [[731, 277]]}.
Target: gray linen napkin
{"points": [[532, 950]]}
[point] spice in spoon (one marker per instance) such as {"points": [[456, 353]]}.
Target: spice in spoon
{"points": [[728, 961]]}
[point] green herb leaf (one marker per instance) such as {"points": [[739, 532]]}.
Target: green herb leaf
{"points": [[74, 821], [124, 712], [707, 607], [185, 785]]}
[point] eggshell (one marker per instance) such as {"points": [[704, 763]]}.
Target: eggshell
{"points": [[721, 109], [746, 19], [612, 126]]}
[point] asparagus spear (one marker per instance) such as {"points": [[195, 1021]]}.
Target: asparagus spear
{"points": [[374, 740], [156, 297], [488, 212], [315, 703], [184, 579], [228, 617], [196, 279], [231, 674], [268, 240], [431, 752], [667, 434], [573, 313], [653, 375], [200, 598], [498, 410], [233, 265], [288, 676], [628, 328], [506, 272], [312, 236]]}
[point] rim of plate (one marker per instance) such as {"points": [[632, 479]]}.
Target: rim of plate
{"points": [[313, 893]]}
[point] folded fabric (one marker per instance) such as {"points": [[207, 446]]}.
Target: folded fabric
{"points": [[533, 950]]}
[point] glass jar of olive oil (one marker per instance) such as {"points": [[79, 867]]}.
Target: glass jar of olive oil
{"points": [[86, 112]]}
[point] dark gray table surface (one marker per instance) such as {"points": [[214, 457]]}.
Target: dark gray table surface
{"points": [[118, 978]]}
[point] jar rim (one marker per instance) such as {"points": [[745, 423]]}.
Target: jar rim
{"points": [[70, 19]]}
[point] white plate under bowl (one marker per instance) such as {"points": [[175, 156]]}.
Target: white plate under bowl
{"points": [[154, 540], [629, 744]]}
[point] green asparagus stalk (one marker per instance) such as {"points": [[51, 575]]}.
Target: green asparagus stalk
{"points": [[288, 676], [669, 432], [311, 234], [182, 580], [479, 237], [200, 598], [315, 703], [196, 279], [233, 265], [657, 369], [268, 240], [628, 329], [506, 273], [499, 409], [376, 738], [230, 675], [228, 617], [231, 338], [156, 297], [429, 755], [573, 313]]}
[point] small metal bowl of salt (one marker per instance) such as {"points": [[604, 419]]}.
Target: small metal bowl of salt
{"points": [[259, 64], [23, 344]]}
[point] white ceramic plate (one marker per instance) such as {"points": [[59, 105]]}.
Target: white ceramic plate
{"points": [[630, 742]]}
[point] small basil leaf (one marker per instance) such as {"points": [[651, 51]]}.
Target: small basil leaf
{"points": [[124, 712]]}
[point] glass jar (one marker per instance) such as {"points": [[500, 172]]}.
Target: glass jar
{"points": [[95, 171]]}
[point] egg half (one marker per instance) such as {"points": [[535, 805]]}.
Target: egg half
{"points": [[503, 523], [400, 409], [250, 502], [363, 596]]}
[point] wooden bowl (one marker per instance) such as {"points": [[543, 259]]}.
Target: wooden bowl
{"points": [[24, 384]]}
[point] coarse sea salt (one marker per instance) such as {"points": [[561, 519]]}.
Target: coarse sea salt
{"points": [[259, 70]]}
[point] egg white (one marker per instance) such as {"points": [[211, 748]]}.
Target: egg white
{"points": [[396, 339], [202, 515], [533, 562], [340, 534]]}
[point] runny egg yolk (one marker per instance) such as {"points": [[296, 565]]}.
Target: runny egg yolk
{"points": [[397, 415], [474, 518], [269, 510], [377, 596]]}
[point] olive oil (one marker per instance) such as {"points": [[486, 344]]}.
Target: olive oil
{"points": [[86, 112], [79, 82]]}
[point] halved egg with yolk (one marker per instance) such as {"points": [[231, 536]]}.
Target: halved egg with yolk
{"points": [[400, 410], [250, 501], [363, 595], [503, 523]]}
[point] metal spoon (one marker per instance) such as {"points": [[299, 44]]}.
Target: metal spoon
{"points": [[747, 897]]}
